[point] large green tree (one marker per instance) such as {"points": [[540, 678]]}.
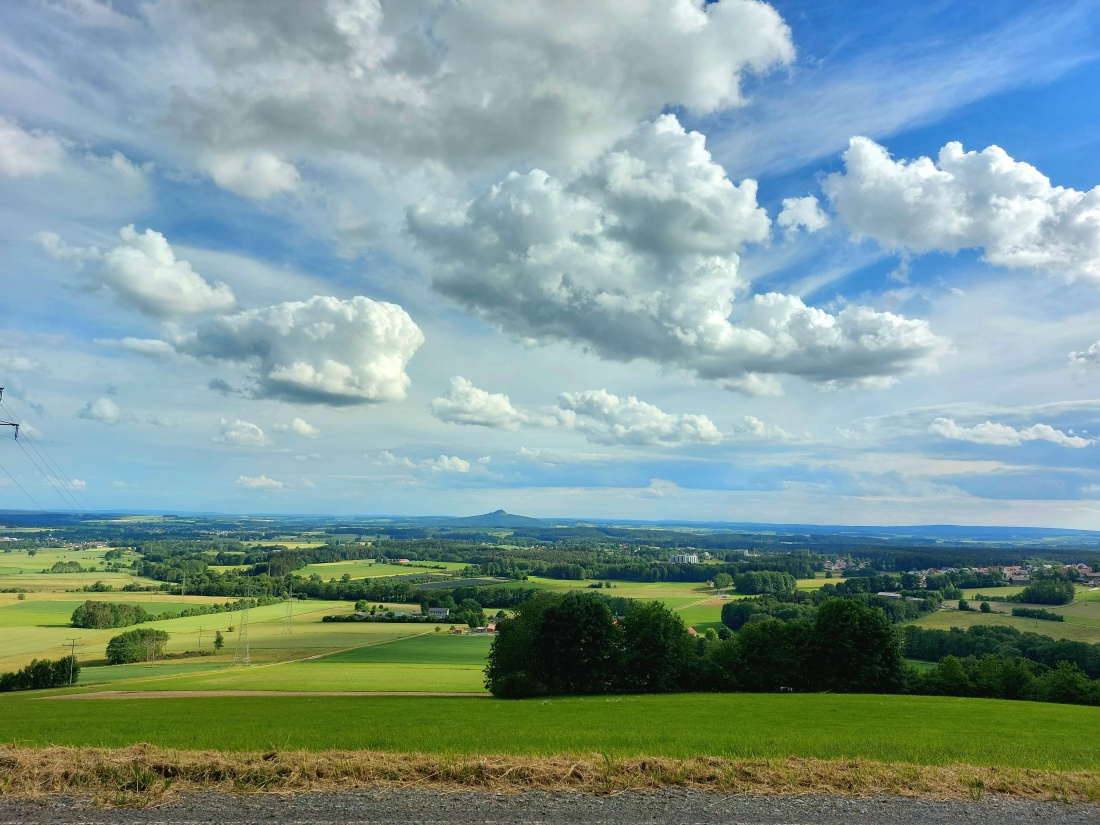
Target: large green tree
{"points": [[578, 646], [657, 650], [854, 649]]}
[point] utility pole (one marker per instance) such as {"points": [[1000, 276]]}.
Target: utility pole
{"points": [[241, 654], [71, 644], [183, 585], [200, 637]]}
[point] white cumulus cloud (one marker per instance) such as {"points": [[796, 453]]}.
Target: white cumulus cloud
{"points": [[1086, 358], [638, 258], [755, 428], [299, 426], [1003, 435], [466, 404], [11, 361], [257, 175], [321, 351], [238, 431], [968, 200], [607, 419], [802, 213], [104, 410], [259, 483], [144, 273], [28, 154], [440, 464]]}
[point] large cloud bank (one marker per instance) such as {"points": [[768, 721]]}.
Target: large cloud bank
{"points": [[463, 83], [968, 200], [638, 258]]}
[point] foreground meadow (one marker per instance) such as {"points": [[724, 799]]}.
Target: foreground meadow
{"points": [[918, 730]]}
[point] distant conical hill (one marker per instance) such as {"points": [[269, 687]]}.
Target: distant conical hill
{"points": [[498, 518]]}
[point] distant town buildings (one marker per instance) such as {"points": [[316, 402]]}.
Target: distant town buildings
{"points": [[685, 558]]}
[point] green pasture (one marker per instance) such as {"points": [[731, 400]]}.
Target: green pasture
{"points": [[428, 649], [388, 658], [308, 675], [20, 561], [37, 628], [674, 595], [289, 544], [702, 616], [913, 729], [363, 569], [1077, 631], [971, 592]]}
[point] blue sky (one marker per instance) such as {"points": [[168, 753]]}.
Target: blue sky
{"points": [[797, 262]]}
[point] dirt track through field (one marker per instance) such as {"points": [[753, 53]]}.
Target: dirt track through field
{"points": [[189, 694]]}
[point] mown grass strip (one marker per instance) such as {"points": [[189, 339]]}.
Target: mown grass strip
{"points": [[145, 775]]}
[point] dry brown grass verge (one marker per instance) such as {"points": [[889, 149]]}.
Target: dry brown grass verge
{"points": [[144, 775]]}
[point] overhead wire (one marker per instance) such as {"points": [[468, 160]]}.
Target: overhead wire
{"points": [[21, 487], [70, 502], [52, 465]]}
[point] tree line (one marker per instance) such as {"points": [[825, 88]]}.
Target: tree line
{"points": [[573, 644], [41, 673]]}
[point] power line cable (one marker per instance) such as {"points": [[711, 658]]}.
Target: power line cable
{"points": [[72, 490], [59, 490], [20, 486], [54, 482], [54, 467]]}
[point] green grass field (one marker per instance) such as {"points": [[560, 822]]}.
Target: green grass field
{"points": [[366, 569], [428, 649], [1077, 631], [921, 730]]}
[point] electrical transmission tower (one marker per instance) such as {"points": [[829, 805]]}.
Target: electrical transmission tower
{"points": [[241, 652], [288, 620]]}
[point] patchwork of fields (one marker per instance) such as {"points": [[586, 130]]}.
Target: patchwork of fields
{"points": [[322, 662]]}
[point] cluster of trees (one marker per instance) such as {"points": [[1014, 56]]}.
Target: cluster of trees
{"points": [[764, 581], [572, 644], [801, 604], [980, 640], [958, 580], [1003, 677], [103, 615], [69, 567], [1058, 590], [139, 645], [41, 673], [1037, 613]]}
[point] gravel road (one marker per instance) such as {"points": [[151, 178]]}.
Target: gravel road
{"points": [[408, 807]]}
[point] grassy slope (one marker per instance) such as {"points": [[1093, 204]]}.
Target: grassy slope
{"points": [[922, 730]]}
